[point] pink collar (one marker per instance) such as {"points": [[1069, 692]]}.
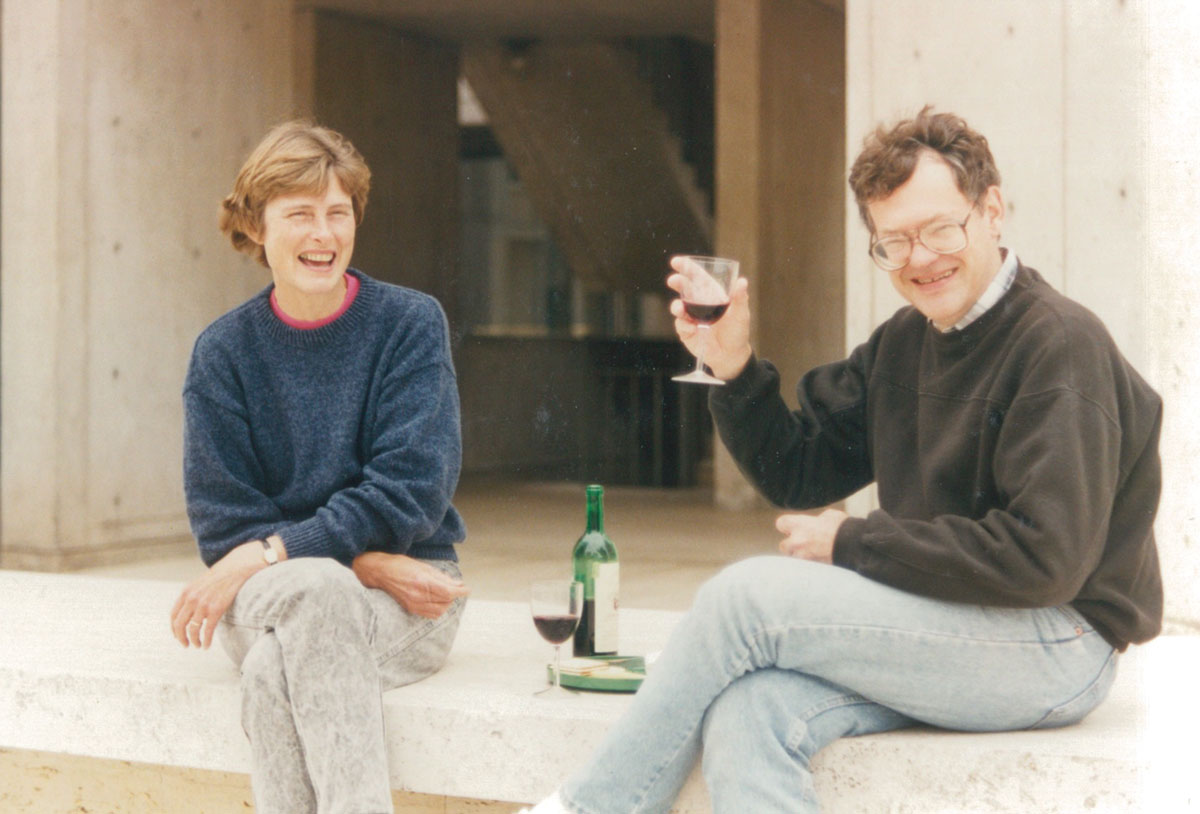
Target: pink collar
{"points": [[311, 325]]}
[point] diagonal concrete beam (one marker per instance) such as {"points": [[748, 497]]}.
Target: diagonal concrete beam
{"points": [[596, 157]]}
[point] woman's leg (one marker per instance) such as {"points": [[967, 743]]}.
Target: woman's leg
{"points": [[312, 643], [947, 664], [279, 776]]}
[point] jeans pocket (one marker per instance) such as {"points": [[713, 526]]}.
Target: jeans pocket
{"points": [[1077, 708], [1075, 619]]}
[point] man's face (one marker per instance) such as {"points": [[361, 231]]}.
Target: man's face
{"points": [[943, 287]]}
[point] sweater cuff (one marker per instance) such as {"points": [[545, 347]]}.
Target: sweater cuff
{"points": [[741, 385], [848, 542], [306, 539]]}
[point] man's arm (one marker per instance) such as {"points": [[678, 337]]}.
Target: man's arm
{"points": [[800, 459]]}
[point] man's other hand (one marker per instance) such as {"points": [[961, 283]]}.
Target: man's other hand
{"points": [[810, 537]]}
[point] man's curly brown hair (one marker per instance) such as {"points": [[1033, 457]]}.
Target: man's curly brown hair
{"points": [[890, 156]]}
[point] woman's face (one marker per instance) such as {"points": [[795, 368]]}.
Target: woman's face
{"points": [[308, 239]]}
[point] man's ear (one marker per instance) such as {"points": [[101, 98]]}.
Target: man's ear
{"points": [[993, 210]]}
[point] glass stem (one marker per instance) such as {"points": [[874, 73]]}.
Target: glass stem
{"points": [[701, 342], [557, 672]]}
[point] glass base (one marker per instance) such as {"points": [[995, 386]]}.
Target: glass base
{"points": [[697, 377], [555, 691]]}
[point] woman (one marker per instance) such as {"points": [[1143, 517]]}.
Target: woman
{"points": [[321, 451]]}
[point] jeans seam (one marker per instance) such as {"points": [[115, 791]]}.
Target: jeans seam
{"points": [[792, 628], [1109, 663], [845, 700]]}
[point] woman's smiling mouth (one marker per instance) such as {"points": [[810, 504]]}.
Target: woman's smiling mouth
{"points": [[318, 260]]}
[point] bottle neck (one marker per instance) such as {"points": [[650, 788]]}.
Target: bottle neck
{"points": [[595, 511]]}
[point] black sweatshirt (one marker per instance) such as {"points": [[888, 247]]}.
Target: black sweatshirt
{"points": [[1016, 460]]}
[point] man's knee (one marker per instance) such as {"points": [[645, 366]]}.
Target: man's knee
{"points": [[759, 579]]}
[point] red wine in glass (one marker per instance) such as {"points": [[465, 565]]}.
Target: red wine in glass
{"points": [[556, 629], [705, 314]]}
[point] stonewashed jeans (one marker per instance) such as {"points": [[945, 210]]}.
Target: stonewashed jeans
{"points": [[316, 650], [779, 657]]}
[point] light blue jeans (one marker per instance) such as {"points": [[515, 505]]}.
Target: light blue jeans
{"points": [[779, 657], [316, 651]]}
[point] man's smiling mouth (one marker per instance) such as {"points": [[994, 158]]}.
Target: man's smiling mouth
{"points": [[935, 278]]}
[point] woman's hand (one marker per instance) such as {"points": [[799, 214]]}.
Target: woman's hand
{"points": [[206, 598], [727, 345], [418, 586], [810, 537]]}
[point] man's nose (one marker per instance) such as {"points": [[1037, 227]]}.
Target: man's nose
{"points": [[921, 255]]}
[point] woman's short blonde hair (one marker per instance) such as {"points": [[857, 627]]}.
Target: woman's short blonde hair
{"points": [[294, 157]]}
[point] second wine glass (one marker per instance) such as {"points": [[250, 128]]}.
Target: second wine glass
{"points": [[704, 289], [556, 605]]}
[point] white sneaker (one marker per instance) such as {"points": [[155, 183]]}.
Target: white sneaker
{"points": [[551, 805]]}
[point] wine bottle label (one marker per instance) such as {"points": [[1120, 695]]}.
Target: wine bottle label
{"points": [[607, 580]]}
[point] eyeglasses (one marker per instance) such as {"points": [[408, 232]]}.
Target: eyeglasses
{"points": [[941, 237]]}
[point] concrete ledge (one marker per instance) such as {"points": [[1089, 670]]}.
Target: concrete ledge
{"points": [[88, 667]]}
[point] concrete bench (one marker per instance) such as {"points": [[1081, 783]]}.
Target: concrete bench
{"points": [[88, 667]]}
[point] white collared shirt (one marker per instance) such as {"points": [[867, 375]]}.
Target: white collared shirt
{"points": [[991, 295]]}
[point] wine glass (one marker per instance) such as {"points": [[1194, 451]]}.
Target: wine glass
{"points": [[556, 605], [704, 289]]}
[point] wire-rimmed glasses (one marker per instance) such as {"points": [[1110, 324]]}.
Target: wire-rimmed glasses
{"points": [[943, 236]]}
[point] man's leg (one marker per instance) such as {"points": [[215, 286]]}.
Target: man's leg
{"points": [[952, 665], [761, 733], [310, 640]]}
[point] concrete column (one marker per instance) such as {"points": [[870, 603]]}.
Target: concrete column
{"points": [[395, 97], [123, 125], [1171, 285], [780, 180]]}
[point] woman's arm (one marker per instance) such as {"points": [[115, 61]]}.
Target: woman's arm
{"points": [[205, 599]]}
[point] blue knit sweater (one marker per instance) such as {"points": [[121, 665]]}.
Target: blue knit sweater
{"points": [[341, 439]]}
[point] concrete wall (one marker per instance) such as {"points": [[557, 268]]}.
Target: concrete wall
{"points": [[1061, 91], [124, 122]]}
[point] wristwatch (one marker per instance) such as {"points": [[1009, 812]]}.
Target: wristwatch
{"points": [[269, 553]]}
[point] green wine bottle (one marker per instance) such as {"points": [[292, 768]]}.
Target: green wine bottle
{"points": [[597, 568]]}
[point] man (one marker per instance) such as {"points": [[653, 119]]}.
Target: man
{"points": [[1012, 557]]}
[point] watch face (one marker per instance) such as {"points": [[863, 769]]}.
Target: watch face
{"points": [[269, 553]]}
